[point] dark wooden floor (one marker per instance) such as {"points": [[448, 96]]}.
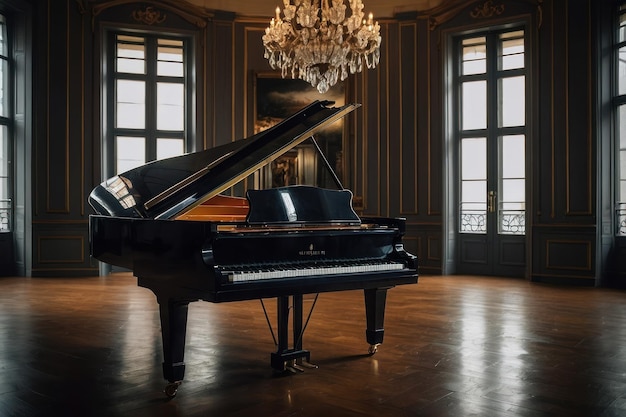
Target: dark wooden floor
{"points": [[454, 346]]}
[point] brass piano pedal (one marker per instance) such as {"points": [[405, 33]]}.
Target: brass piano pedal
{"points": [[299, 366], [308, 365], [293, 367]]}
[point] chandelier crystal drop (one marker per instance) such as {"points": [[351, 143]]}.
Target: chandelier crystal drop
{"points": [[320, 42]]}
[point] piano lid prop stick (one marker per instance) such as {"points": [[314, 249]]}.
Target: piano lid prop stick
{"points": [[330, 169]]}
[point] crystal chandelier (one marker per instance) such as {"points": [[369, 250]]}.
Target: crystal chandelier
{"points": [[320, 43]]}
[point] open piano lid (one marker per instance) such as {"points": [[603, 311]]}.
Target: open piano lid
{"points": [[170, 187]]}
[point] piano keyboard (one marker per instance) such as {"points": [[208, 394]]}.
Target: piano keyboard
{"points": [[249, 273]]}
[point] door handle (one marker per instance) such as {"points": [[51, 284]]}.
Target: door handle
{"points": [[491, 202]]}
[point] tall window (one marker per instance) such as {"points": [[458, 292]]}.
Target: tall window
{"points": [[5, 132], [148, 111], [492, 132], [620, 112]]}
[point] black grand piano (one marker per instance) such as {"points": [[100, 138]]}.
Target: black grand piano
{"points": [[170, 223]]}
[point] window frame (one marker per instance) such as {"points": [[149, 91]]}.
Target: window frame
{"points": [[6, 121], [150, 131], [619, 101], [492, 132]]}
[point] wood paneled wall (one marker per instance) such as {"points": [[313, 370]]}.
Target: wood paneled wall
{"points": [[396, 150], [63, 153], [564, 212]]}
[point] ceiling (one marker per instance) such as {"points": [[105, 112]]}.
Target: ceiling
{"points": [[265, 8]]}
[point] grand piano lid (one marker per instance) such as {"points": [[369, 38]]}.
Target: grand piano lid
{"points": [[167, 188]]}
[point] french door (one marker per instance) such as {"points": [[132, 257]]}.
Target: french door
{"points": [[490, 138]]}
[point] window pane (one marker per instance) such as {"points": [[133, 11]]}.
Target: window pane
{"points": [[4, 87], [622, 179], [622, 26], [621, 172], [511, 207], [474, 56], [131, 107], [622, 150], [130, 153], [621, 70], [473, 207], [622, 127], [5, 150], [167, 147], [512, 187], [473, 185], [512, 192], [3, 37], [512, 102], [512, 157], [512, 50], [474, 102], [4, 156], [5, 209], [131, 54], [170, 58], [474, 159], [4, 161], [170, 106], [4, 69], [474, 192]]}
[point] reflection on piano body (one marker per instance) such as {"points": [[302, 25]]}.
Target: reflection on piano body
{"points": [[168, 222]]}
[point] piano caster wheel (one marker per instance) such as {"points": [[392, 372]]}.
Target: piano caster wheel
{"points": [[373, 349], [171, 389]]}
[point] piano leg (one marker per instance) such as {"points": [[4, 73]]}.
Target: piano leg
{"points": [[297, 323], [284, 354], [375, 299], [173, 329]]}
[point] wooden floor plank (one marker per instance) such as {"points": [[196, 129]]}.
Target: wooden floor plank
{"points": [[454, 346]]}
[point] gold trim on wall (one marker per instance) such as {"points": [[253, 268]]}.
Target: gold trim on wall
{"points": [[429, 137], [79, 238], [589, 152], [65, 222], [415, 75], [379, 160], [49, 145], [387, 124], [584, 243], [487, 10], [193, 14], [149, 16], [434, 243], [450, 9], [552, 122], [246, 73]]}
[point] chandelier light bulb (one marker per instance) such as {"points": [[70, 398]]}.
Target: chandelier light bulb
{"points": [[321, 42]]}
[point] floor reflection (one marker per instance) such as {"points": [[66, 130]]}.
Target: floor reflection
{"points": [[454, 346]]}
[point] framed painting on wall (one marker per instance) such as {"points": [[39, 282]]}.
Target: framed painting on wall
{"points": [[277, 98]]}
